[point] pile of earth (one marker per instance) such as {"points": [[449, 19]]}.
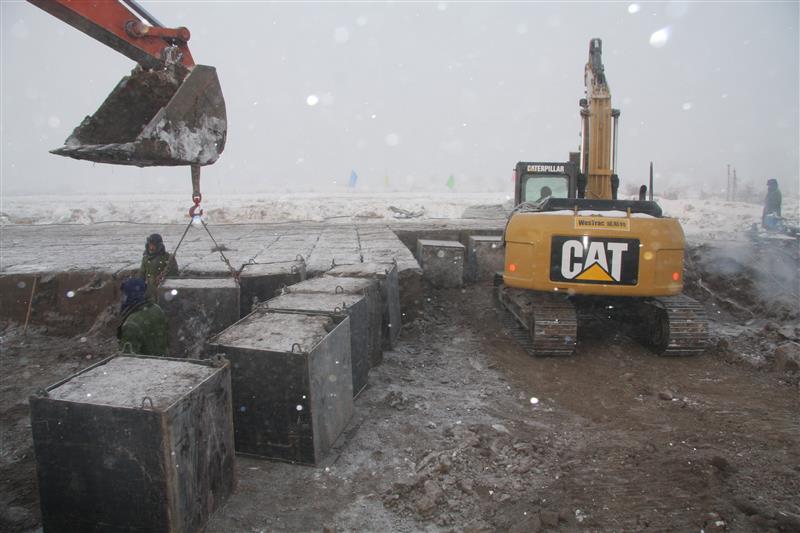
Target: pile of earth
{"points": [[751, 291]]}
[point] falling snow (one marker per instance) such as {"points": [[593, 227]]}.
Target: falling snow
{"points": [[658, 39], [341, 35]]}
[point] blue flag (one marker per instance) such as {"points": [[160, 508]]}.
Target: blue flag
{"points": [[353, 179]]}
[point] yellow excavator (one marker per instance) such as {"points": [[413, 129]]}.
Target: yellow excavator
{"points": [[573, 249]]}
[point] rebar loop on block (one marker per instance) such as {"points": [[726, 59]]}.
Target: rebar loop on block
{"points": [[218, 360]]}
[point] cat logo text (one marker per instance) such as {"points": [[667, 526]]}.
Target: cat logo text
{"points": [[598, 260]]}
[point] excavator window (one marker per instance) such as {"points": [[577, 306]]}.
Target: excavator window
{"points": [[538, 186]]}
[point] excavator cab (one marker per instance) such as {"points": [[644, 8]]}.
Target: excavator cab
{"points": [[535, 181], [160, 117]]}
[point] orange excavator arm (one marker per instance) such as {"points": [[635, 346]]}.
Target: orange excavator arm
{"points": [[120, 27]]}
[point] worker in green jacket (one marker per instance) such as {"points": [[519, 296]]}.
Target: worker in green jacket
{"points": [[143, 326], [157, 264]]}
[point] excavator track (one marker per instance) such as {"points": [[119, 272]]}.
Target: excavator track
{"points": [[673, 326], [544, 324]]}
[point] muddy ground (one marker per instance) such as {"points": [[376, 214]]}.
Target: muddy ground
{"points": [[461, 430]]}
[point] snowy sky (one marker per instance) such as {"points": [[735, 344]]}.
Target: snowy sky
{"points": [[412, 93]]}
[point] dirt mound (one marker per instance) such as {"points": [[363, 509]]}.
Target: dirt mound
{"points": [[475, 472], [750, 290], [746, 279]]}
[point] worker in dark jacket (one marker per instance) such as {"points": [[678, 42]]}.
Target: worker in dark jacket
{"points": [[545, 192], [143, 326], [772, 204], [157, 264]]}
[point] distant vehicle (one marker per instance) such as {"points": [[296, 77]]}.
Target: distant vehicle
{"points": [[579, 248]]}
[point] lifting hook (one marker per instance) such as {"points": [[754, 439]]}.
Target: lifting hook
{"points": [[196, 210]]}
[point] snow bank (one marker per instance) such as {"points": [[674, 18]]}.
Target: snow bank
{"points": [[707, 219], [167, 209], [718, 219]]}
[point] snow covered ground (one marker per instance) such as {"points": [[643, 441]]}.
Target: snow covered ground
{"points": [[707, 219], [252, 208], [717, 219]]}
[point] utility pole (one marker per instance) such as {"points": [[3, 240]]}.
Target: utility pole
{"points": [[733, 192], [728, 185]]}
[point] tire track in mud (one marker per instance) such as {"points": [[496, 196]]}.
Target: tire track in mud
{"points": [[642, 442]]}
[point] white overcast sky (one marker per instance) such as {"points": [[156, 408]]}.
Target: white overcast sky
{"points": [[417, 92]]}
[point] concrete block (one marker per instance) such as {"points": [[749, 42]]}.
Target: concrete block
{"points": [[389, 289], [291, 382], [262, 281], [135, 443], [412, 291], [485, 256], [211, 265], [197, 309], [322, 260], [352, 305], [363, 286], [442, 262]]}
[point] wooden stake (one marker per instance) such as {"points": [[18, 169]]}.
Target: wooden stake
{"points": [[30, 306]]}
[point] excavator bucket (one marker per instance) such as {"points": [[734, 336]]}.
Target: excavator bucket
{"points": [[162, 117]]}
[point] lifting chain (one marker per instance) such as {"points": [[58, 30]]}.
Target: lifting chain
{"points": [[234, 273], [196, 213], [196, 210]]}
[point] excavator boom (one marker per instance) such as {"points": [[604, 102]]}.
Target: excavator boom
{"points": [[115, 25], [598, 136]]}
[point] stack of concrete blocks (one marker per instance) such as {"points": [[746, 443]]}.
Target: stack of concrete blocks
{"points": [[389, 289], [361, 286], [442, 262], [485, 256], [379, 244], [337, 245], [290, 245], [211, 265], [261, 281], [197, 309], [351, 305], [291, 381], [135, 443]]}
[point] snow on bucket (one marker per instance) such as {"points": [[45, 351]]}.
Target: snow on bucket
{"points": [[165, 117]]}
